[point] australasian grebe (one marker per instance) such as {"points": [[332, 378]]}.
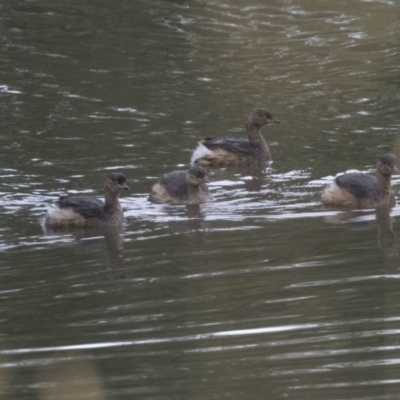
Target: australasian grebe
{"points": [[182, 187], [358, 190], [82, 211], [235, 151]]}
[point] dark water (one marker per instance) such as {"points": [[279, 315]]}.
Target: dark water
{"points": [[259, 294]]}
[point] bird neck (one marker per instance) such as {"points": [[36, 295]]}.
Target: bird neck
{"points": [[111, 198], [189, 183], [193, 191], [383, 183], [255, 137]]}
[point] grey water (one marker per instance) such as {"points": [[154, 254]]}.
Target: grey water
{"points": [[261, 293]]}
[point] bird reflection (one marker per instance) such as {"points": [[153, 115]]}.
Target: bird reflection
{"points": [[191, 222], [387, 240], [114, 244]]}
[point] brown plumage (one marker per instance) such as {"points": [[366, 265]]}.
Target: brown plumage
{"points": [[235, 151], [182, 187], [84, 211], [358, 190]]}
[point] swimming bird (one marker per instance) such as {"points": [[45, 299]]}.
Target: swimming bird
{"points": [[84, 211], [182, 187], [359, 190], [235, 151]]}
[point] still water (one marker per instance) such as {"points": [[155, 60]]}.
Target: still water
{"points": [[261, 293]]}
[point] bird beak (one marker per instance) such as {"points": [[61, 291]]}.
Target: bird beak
{"points": [[275, 121], [125, 186], [395, 169]]}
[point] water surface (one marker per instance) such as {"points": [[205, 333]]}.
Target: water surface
{"points": [[261, 292]]}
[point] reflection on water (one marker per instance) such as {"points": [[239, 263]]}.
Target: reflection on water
{"points": [[113, 240], [260, 291], [387, 239], [379, 219]]}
